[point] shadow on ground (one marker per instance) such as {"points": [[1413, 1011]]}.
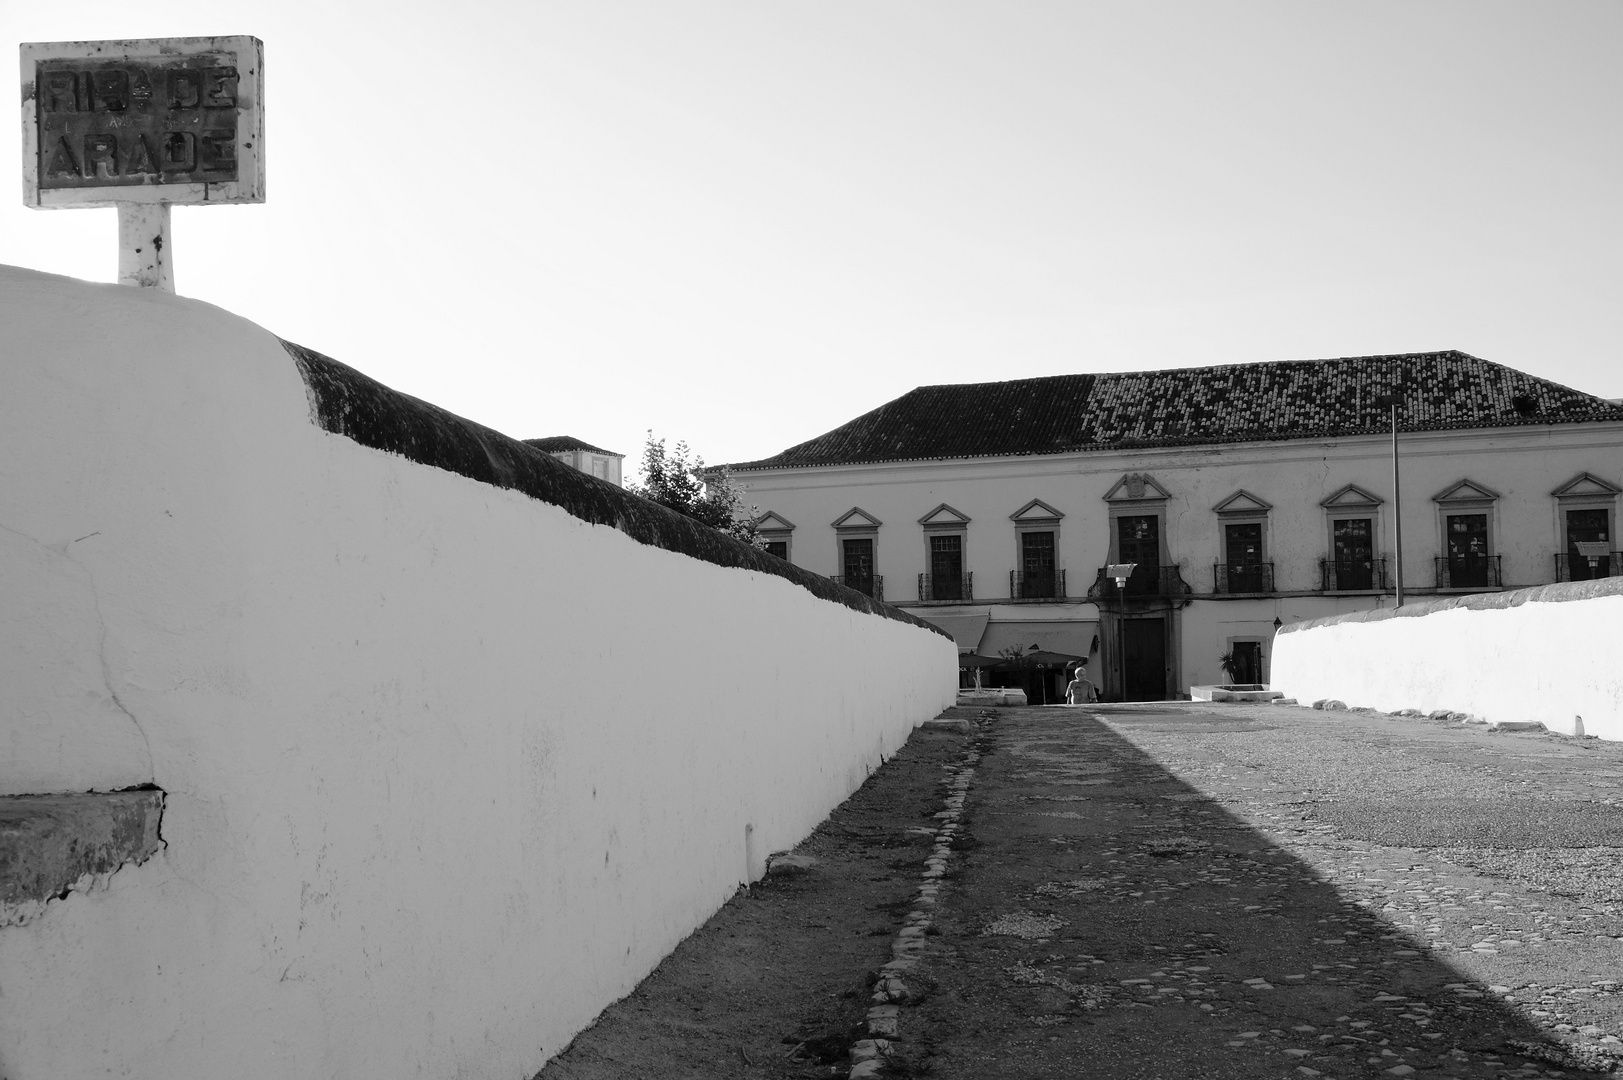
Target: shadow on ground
{"points": [[1107, 919]]}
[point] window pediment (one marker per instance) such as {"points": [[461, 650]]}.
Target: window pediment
{"points": [[772, 521], [1036, 512], [857, 518], [1352, 497], [1243, 502], [944, 517], [1466, 491], [1585, 485], [1135, 487]]}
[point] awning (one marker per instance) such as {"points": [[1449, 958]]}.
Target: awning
{"points": [[1075, 638], [965, 629]]}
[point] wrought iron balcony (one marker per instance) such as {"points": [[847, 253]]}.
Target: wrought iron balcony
{"points": [[1468, 572], [1569, 567], [946, 587], [1037, 585], [1355, 575], [1145, 580], [867, 584], [1251, 577]]}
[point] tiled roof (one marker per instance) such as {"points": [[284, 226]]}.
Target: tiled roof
{"points": [[554, 444], [1284, 399]]}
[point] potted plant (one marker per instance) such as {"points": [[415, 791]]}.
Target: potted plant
{"points": [[1230, 665]]}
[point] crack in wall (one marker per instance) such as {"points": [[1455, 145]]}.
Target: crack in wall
{"points": [[61, 553]]}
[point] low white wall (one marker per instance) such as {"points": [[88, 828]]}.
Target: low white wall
{"points": [[447, 769], [1547, 654]]}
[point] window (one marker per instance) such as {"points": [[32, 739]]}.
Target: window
{"points": [[1138, 541], [1243, 544], [856, 563], [1353, 554], [777, 532], [1036, 565], [1467, 552], [600, 468], [946, 567], [1592, 526]]}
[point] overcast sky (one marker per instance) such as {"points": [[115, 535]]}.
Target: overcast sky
{"points": [[743, 224]]}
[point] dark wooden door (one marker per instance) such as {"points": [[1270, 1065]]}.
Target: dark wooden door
{"points": [[1144, 655], [1248, 662]]}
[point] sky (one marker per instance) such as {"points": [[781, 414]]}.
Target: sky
{"points": [[743, 224]]}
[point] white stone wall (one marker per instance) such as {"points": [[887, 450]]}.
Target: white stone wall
{"points": [[447, 769], [1548, 654]]}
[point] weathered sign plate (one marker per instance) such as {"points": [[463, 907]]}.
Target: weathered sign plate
{"points": [[165, 120]]}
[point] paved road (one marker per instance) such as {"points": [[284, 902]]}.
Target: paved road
{"points": [[1173, 890], [1193, 890]]}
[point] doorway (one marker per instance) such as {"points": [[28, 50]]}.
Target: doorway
{"points": [[1144, 659]]}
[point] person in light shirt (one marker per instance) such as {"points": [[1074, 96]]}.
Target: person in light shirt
{"points": [[1080, 690]]}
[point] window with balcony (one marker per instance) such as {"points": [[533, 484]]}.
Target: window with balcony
{"points": [[1038, 574], [1588, 521], [858, 533], [1466, 558], [1138, 511], [856, 564], [945, 540], [1353, 564], [1243, 565]]}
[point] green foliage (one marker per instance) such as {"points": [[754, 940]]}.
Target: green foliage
{"points": [[679, 479], [1230, 665]]}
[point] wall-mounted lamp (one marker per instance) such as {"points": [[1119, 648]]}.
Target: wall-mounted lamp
{"points": [[1277, 623]]}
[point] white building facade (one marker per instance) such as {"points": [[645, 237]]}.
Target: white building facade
{"points": [[1247, 497]]}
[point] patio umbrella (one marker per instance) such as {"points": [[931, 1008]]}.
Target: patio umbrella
{"points": [[971, 660]]}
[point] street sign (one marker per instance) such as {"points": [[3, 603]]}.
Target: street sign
{"points": [[143, 125]]}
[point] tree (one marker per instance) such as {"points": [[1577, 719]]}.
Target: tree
{"points": [[679, 479]]}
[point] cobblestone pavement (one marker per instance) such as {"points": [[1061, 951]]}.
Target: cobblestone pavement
{"points": [[1194, 890]]}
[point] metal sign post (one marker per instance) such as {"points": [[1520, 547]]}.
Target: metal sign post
{"points": [[142, 126]]}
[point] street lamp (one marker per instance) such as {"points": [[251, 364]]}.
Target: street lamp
{"points": [[1392, 401], [1121, 572]]}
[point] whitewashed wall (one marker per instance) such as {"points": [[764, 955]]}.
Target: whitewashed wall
{"points": [[448, 770], [1547, 654]]}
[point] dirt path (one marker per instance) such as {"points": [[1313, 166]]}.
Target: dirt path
{"points": [[1177, 890]]}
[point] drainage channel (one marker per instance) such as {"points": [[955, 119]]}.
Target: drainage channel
{"points": [[890, 992]]}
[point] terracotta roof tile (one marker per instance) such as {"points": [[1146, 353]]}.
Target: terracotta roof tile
{"points": [[1285, 399]]}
